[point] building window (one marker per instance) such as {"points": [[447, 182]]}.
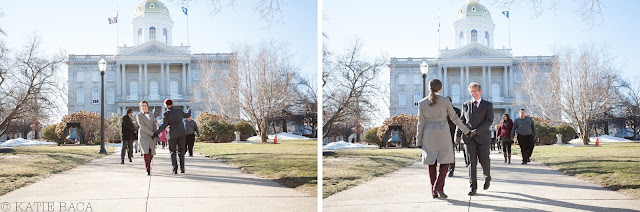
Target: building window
{"points": [[95, 76], [196, 74], [139, 36], [80, 76], [111, 76], [486, 36], [461, 38], [151, 5], [133, 90], [455, 93], [110, 96], [402, 99], [80, 97], [173, 88], [152, 33], [517, 76], [164, 36], [417, 80], [495, 91], [402, 79], [473, 9], [153, 90], [474, 36], [417, 96], [95, 96]]}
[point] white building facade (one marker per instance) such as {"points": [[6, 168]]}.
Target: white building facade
{"points": [[473, 60], [152, 70]]}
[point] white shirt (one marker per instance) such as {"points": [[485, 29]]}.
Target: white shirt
{"points": [[478, 101], [146, 114]]}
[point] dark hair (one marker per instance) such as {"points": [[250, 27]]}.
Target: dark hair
{"points": [[144, 102], [449, 99], [522, 109], [508, 119], [129, 111], [434, 86]]}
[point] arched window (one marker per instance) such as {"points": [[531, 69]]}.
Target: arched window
{"points": [[495, 91], [95, 96], [486, 36], [152, 33], [80, 97], [455, 92], [474, 36], [110, 96], [153, 90], [461, 38], [173, 88], [164, 36], [139, 36], [133, 90], [417, 96], [402, 99]]}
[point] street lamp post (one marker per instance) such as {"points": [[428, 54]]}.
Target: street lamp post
{"points": [[102, 65], [424, 68]]}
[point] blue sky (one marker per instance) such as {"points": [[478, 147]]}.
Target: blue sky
{"points": [[408, 28], [81, 26]]}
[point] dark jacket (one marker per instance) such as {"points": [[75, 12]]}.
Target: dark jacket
{"points": [[173, 119], [452, 126], [128, 129], [479, 119], [505, 131]]}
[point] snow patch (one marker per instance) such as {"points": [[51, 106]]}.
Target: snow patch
{"points": [[603, 139], [281, 137], [18, 142], [342, 145]]}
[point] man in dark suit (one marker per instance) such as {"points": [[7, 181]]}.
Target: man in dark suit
{"points": [[128, 131], [176, 132], [477, 114], [452, 129]]}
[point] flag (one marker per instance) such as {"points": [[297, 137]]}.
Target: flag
{"points": [[184, 10], [113, 20], [506, 13]]}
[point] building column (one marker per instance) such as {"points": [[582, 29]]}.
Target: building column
{"points": [[189, 78], [484, 79], [510, 80], [168, 72], [118, 81], [461, 82], [184, 79], [505, 84], [124, 80], [161, 84], [468, 81], [445, 90], [490, 90], [139, 80], [146, 80]]}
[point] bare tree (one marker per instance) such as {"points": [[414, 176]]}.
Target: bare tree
{"points": [[268, 10], [579, 88], [350, 89], [629, 94], [259, 83], [212, 93], [29, 89], [307, 102], [590, 11]]}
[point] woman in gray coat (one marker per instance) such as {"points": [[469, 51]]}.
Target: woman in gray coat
{"points": [[148, 125], [434, 137]]}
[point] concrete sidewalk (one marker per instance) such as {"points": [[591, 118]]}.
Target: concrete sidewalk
{"points": [[107, 185], [515, 187]]}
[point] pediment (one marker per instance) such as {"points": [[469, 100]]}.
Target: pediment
{"points": [[154, 48], [474, 51]]}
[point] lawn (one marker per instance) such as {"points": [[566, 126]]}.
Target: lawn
{"points": [[26, 165], [349, 168], [613, 165], [291, 163]]}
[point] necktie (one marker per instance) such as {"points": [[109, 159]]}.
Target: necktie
{"points": [[146, 113], [475, 104]]}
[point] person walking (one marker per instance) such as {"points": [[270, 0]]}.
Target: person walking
{"points": [[498, 142], [191, 128], [526, 130], [504, 135], [493, 138], [452, 131], [434, 137], [477, 114], [172, 118], [163, 137], [147, 127], [128, 130]]}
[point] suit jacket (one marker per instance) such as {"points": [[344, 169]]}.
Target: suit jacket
{"points": [[172, 118], [147, 128], [479, 119], [452, 126], [127, 128]]}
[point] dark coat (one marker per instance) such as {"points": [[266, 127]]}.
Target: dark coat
{"points": [[173, 119], [505, 131], [479, 119], [452, 126], [128, 129]]}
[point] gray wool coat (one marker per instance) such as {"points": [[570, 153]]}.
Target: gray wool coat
{"points": [[434, 134], [147, 126]]}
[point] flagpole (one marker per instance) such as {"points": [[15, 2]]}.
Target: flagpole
{"points": [[438, 30], [117, 30], [188, 43], [509, 31]]}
